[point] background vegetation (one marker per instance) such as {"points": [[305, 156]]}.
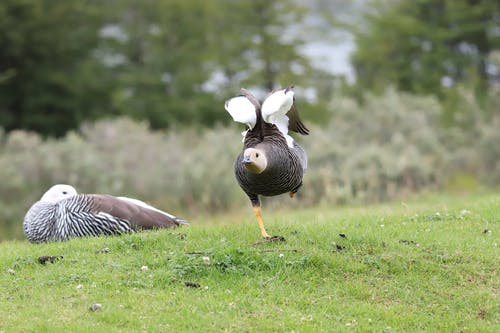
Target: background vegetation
{"points": [[127, 98], [397, 150]]}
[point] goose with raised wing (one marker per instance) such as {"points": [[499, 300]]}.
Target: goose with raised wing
{"points": [[271, 162], [62, 214]]}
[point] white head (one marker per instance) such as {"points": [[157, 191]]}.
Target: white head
{"points": [[57, 193], [255, 160]]}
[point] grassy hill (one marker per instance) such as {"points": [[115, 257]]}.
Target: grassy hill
{"points": [[425, 265]]}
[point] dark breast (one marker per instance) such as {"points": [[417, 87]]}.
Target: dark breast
{"points": [[284, 170]]}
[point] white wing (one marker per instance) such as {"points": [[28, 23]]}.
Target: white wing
{"points": [[244, 135], [277, 105], [242, 110], [145, 205], [274, 110]]}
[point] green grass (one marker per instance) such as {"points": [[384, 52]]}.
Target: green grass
{"points": [[426, 265]]}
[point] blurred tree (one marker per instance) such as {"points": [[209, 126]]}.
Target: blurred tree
{"points": [[268, 43], [159, 52], [166, 61], [260, 44], [180, 59], [426, 46], [49, 80]]}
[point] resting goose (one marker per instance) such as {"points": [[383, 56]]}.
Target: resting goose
{"points": [[62, 214], [271, 162]]}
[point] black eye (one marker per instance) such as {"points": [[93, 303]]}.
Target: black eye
{"points": [[64, 192], [257, 155]]}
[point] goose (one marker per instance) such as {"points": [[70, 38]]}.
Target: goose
{"points": [[271, 162], [62, 213]]}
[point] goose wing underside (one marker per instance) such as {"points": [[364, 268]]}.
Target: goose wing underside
{"points": [[275, 110], [243, 108]]}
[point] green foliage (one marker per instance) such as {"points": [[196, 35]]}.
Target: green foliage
{"points": [[430, 265], [170, 62], [473, 137], [48, 75], [389, 147], [414, 45]]}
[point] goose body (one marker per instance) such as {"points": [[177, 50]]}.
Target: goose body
{"points": [[271, 162], [283, 173], [62, 214]]}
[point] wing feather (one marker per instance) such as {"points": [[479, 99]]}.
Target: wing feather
{"points": [[242, 110], [133, 210], [276, 105], [295, 123], [279, 109]]}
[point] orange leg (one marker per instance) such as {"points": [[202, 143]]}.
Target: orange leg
{"points": [[258, 215], [292, 194]]}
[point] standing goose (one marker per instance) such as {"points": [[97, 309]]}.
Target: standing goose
{"points": [[62, 214], [271, 162]]}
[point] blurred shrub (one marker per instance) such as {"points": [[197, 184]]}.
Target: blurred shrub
{"points": [[474, 140], [388, 147]]}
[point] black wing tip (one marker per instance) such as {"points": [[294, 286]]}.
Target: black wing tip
{"points": [[295, 123], [180, 221], [302, 130]]}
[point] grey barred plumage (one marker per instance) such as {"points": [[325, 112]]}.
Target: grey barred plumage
{"points": [[283, 173], [271, 162], [62, 214]]}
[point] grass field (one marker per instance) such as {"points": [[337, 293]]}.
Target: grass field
{"points": [[430, 264]]}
